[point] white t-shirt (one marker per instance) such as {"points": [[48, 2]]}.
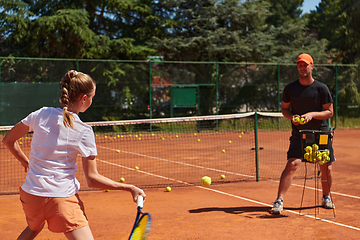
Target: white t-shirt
{"points": [[54, 149]]}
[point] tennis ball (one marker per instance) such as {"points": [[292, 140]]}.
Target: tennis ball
{"points": [[136, 136], [152, 134], [239, 136], [195, 134], [308, 149], [198, 140], [302, 121], [139, 139], [242, 132], [315, 147], [118, 136], [229, 141], [117, 151], [168, 189], [163, 138], [106, 190], [122, 179], [223, 150], [177, 136], [105, 136], [307, 156], [136, 168], [297, 119], [206, 181], [222, 176]]}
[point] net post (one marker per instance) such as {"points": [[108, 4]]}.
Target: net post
{"points": [[256, 146], [336, 94], [150, 88]]}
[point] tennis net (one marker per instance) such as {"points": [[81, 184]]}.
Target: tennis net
{"points": [[177, 151]]}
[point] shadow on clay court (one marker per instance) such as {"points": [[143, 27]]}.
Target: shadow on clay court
{"points": [[231, 210], [249, 209]]}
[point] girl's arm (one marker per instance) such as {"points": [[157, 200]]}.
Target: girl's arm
{"points": [[96, 180], [10, 141]]}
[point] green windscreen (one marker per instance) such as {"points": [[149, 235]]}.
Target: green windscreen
{"points": [[184, 96], [19, 99]]}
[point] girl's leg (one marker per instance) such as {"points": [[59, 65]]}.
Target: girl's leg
{"points": [[29, 234], [83, 233]]}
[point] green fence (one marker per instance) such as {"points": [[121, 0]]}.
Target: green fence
{"points": [[142, 89]]}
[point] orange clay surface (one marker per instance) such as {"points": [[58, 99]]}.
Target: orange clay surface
{"points": [[227, 211]]}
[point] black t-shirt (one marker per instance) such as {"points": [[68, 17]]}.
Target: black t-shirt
{"points": [[304, 99]]}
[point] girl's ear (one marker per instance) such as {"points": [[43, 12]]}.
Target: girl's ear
{"points": [[83, 98]]}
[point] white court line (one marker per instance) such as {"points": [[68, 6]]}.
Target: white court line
{"points": [[229, 194], [264, 204], [217, 170]]}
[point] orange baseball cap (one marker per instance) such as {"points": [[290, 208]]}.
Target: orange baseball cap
{"points": [[305, 58]]}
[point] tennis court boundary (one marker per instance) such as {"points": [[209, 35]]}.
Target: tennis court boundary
{"points": [[232, 195]]}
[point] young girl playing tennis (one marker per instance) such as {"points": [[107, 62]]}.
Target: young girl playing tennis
{"points": [[50, 189]]}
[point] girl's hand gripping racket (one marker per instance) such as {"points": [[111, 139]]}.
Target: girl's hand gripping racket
{"points": [[141, 226]]}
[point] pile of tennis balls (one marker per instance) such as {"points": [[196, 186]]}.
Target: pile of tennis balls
{"points": [[314, 155]]}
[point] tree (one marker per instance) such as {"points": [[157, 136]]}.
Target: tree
{"points": [[338, 22], [283, 11]]}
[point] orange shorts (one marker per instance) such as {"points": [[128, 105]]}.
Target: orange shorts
{"points": [[62, 214]]}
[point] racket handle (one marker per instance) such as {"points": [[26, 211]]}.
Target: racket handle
{"points": [[140, 201]]}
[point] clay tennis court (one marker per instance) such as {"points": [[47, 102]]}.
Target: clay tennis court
{"points": [[228, 210]]}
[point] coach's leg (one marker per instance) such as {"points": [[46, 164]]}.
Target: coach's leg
{"points": [[83, 233], [326, 178], [29, 234], [287, 176]]}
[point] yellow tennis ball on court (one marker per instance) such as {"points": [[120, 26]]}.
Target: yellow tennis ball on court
{"points": [[223, 150], [168, 189], [229, 141], [122, 179], [195, 134], [222, 176], [117, 151], [206, 181], [106, 190], [239, 136], [136, 168], [177, 136], [198, 140], [152, 134]]}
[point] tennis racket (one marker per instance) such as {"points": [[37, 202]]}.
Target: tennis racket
{"points": [[142, 224]]}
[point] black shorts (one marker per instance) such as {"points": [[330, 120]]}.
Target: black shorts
{"points": [[295, 150]]}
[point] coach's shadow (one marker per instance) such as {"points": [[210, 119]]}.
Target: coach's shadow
{"points": [[239, 210], [248, 209]]}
